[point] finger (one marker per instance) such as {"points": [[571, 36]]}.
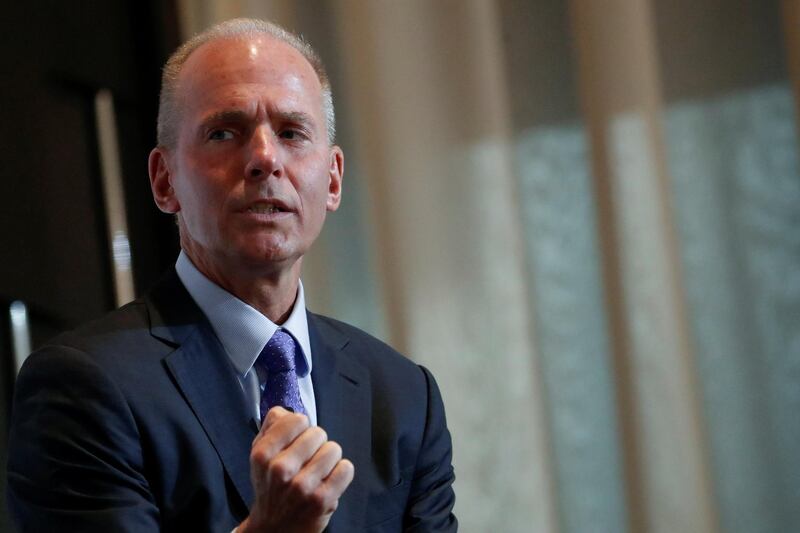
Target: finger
{"points": [[308, 443], [280, 434], [278, 413], [308, 480], [288, 462], [339, 479], [322, 463], [322, 498], [273, 415]]}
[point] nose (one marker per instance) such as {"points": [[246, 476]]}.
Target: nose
{"points": [[263, 155]]}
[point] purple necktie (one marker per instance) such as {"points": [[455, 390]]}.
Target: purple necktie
{"points": [[277, 375]]}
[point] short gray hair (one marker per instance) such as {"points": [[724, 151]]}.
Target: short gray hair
{"points": [[168, 106]]}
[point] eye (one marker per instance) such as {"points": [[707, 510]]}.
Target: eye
{"points": [[220, 135], [291, 134]]}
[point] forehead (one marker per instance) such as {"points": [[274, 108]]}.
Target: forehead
{"points": [[228, 71]]}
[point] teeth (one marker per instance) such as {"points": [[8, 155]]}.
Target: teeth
{"points": [[264, 209]]}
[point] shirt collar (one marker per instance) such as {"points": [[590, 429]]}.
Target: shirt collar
{"points": [[242, 330]]}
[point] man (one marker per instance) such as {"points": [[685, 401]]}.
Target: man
{"points": [[150, 418]]}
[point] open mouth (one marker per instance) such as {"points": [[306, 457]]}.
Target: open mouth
{"points": [[266, 209], [268, 206]]}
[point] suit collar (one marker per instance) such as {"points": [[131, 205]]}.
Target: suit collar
{"points": [[172, 312], [205, 377], [241, 328]]}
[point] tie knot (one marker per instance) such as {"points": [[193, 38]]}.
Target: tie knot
{"points": [[278, 354], [276, 374]]}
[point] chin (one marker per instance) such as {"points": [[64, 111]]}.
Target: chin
{"points": [[269, 255]]}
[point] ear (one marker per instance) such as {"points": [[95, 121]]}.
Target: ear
{"points": [[161, 181], [335, 174]]}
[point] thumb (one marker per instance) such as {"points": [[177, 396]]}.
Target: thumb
{"points": [[273, 415]]}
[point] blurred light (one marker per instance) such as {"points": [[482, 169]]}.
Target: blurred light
{"points": [[20, 332], [121, 250]]}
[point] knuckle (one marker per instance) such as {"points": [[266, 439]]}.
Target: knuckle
{"points": [[318, 501], [281, 470], [272, 415], [333, 506], [342, 475], [300, 486], [259, 457], [345, 471], [333, 449], [299, 419], [319, 434], [348, 467]]}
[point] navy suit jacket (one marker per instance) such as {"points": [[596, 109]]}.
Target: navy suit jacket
{"points": [[136, 422]]}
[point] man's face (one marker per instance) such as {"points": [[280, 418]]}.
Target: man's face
{"points": [[252, 174]]}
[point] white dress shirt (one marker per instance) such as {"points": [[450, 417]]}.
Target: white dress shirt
{"points": [[244, 331]]}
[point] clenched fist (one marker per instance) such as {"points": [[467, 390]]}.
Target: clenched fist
{"points": [[298, 476]]}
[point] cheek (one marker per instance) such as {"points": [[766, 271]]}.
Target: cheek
{"points": [[316, 202], [316, 189], [201, 186], [202, 210]]}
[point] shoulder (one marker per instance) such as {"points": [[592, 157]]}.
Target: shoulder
{"points": [[79, 372], [117, 345], [360, 345], [153, 323], [391, 375], [113, 328]]}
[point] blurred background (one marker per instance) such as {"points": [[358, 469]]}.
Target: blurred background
{"points": [[583, 216]]}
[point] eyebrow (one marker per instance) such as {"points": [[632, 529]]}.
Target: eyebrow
{"points": [[299, 117], [237, 115], [233, 115]]}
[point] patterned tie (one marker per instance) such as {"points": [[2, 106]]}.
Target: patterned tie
{"points": [[277, 375]]}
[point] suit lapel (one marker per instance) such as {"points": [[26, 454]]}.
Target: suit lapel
{"points": [[208, 382], [341, 390], [205, 378]]}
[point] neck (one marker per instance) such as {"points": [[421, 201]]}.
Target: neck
{"points": [[271, 290]]}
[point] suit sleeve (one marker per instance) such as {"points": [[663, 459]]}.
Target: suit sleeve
{"points": [[430, 505], [75, 457]]}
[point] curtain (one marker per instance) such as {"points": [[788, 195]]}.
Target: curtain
{"points": [[582, 217]]}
